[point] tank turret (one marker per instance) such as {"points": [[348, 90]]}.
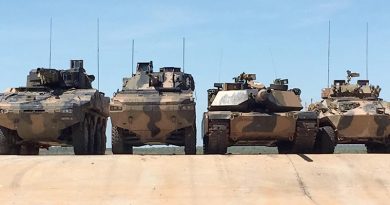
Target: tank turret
{"points": [[361, 89], [246, 95], [75, 77], [167, 79]]}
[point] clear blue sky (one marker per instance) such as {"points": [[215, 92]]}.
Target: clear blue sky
{"points": [[287, 39]]}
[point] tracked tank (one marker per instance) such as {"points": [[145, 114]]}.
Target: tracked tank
{"points": [[56, 108], [353, 113], [154, 108], [248, 113]]}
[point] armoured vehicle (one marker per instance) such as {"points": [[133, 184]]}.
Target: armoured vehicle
{"points": [[56, 108], [249, 113], [154, 108], [353, 113]]}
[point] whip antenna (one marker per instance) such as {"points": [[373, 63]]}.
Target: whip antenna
{"points": [[51, 28], [98, 52], [367, 51], [184, 47], [328, 51], [132, 58]]}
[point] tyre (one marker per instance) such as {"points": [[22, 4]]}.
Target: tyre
{"points": [[29, 149], [325, 141], [80, 138], [378, 148], [5, 147], [100, 138], [118, 144], [8, 143], [285, 147], [190, 141]]}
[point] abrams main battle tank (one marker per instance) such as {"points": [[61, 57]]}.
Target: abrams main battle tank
{"points": [[56, 108], [154, 108], [248, 113], [353, 114]]}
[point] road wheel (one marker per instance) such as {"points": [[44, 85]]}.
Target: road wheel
{"points": [[29, 149], [8, 143], [80, 138], [325, 141], [190, 141], [285, 147], [118, 144], [378, 148]]}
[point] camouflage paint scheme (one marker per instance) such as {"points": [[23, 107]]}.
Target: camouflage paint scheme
{"points": [[354, 111], [248, 113], [47, 111], [155, 107]]}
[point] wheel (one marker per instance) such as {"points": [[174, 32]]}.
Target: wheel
{"points": [[285, 147], [5, 146], [80, 138], [216, 143], [378, 148], [29, 149], [118, 144], [325, 141], [92, 135], [100, 138], [8, 143], [190, 141]]}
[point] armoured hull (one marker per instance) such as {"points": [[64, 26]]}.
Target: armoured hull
{"points": [[358, 121], [255, 126], [152, 118]]}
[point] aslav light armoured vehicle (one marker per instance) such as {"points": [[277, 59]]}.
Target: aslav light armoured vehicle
{"points": [[353, 113], [154, 108], [57, 107], [248, 113]]}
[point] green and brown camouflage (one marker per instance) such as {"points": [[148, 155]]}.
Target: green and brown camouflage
{"points": [[355, 113], [56, 108], [249, 113], [154, 108]]}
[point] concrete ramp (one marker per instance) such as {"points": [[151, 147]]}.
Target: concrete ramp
{"points": [[231, 179]]}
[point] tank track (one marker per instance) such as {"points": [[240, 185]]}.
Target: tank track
{"points": [[217, 140], [305, 136]]}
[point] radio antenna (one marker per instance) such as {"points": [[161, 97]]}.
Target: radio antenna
{"points": [[50, 38], [184, 47], [98, 52], [367, 51], [328, 51], [132, 58]]}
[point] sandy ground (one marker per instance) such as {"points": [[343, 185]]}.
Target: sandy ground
{"points": [[178, 179]]}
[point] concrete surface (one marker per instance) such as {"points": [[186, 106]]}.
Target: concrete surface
{"points": [[231, 179]]}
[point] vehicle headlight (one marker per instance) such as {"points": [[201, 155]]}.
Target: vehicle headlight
{"points": [[115, 108], [68, 110]]}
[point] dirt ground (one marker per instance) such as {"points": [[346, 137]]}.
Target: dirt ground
{"points": [[178, 179]]}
